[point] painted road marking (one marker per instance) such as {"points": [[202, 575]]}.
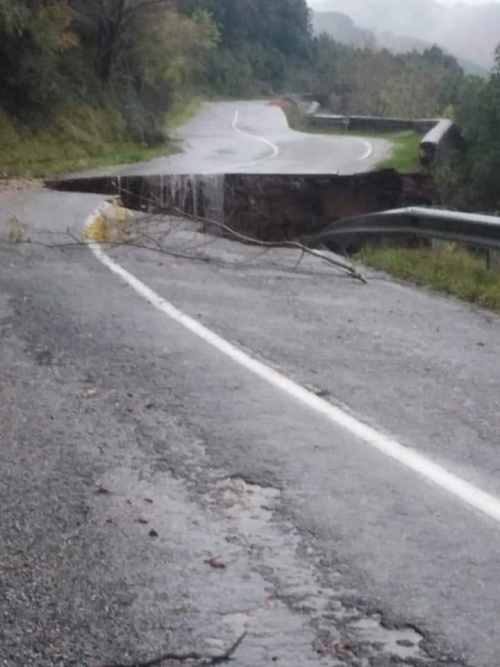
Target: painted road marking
{"points": [[368, 153], [468, 493], [275, 151]]}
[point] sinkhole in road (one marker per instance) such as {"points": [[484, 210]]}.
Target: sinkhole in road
{"points": [[268, 207], [199, 195]]}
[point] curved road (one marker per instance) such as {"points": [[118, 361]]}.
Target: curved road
{"points": [[195, 447], [255, 137]]}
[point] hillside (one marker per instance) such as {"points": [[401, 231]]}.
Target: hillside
{"points": [[90, 82], [468, 32], [341, 27], [344, 30]]}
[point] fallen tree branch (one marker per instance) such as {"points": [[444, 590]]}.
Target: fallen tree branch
{"points": [[184, 657], [134, 241], [295, 245]]}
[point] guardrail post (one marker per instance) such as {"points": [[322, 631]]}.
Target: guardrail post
{"points": [[493, 260]]}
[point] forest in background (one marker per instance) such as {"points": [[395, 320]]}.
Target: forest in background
{"points": [[93, 81]]}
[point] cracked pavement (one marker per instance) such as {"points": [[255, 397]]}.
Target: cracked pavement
{"points": [[156, 496]]}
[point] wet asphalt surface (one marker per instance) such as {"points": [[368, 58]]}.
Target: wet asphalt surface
{"points": [[254, 137], [157, 497]]}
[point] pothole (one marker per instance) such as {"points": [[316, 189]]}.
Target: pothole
{"points": [[343, 634], [401, 642], [249, 506]]}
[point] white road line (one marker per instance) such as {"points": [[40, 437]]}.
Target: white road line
{"points": [[368, 153], [468, 493], [275, 151]]}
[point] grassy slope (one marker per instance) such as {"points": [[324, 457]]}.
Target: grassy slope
{"points": [[452, 270], [182, 111], [405, 156], [43, 155], [79, 139]]}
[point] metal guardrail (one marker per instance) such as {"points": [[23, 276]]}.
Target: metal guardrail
{"points": [[422, 126], [439, 136], [481, 231], [313, 109]]}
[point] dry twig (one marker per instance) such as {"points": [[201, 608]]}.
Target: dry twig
{"points": [[295, 245], [135, 242]]}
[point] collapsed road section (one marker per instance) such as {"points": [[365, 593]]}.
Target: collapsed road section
{"points": [[269, 207]]}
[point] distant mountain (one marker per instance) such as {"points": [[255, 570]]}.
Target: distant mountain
{"points": [[403, 44], [343, 29], [469, 32]]}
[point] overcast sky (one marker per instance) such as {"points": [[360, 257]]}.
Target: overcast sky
{"points": [[444, 2], [468, 2], [461, 27]]}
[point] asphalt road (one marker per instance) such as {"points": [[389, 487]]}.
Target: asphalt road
{"points": [[163, 490], [255, 137]]}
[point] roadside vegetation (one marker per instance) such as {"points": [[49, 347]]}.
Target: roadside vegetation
{"points": [[371, 81], [452, 270], [406, 151], [470, 180], [87, 83], [405, 155], [90, 82], [182, 111], [80, 139]]}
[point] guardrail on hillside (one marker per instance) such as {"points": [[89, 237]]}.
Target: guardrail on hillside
{"points": [[472, 229], [440, 140], [439, 135], [373, 123]]}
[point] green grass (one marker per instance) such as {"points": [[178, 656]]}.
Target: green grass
{"points": [[452, 270], [80, 138], [405, 154], [40, 157], [182, 111]]}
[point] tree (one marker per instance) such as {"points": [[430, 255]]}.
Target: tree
{"points": [[480, 120], [261, 42], [34, 36], [168, 58], [107, 25], [375, 81]]}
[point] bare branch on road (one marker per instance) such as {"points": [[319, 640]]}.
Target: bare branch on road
{"points": [[137, 233], [295, 245]]}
